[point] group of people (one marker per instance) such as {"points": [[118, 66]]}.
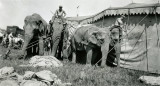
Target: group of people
{"points": [[10, 41]]}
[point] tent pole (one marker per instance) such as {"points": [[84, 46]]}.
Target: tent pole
{"points": [[157, 27], [157, 33], [103, 20], [146, 46], [126, 28], [128, 21], [139, 37]]}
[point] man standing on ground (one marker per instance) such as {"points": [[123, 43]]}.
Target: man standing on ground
{"points": [[10, 36]]}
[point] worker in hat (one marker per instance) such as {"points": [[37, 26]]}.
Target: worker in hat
{"points": [[60, 13]]}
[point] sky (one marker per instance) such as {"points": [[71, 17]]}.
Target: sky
{"points": [[13, 12]]}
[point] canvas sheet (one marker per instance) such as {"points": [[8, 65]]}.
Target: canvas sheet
{"points": [[141, 52]]}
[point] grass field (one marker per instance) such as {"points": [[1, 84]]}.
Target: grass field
{"points": [[94, 76]]}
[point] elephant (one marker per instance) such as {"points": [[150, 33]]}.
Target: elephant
{"points": [[91, 39], [35, 28], [57, 37]]}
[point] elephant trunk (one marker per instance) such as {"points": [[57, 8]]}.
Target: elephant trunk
{"points": [[26, 43]]}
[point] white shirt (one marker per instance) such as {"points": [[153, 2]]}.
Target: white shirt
{"points": [[119, 22], [10, 36], [60, 13]]}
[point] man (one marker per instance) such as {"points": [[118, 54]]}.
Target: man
{"points": [[4, 40], [60, 13], [119, 23], [10, 37]]}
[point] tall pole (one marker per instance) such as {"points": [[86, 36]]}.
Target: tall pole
{"points": [[146, 46], [157, 34], [77, 11]]}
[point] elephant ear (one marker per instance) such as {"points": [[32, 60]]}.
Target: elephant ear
{"points": [[93, 37]]}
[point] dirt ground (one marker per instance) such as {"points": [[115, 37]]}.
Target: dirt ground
{"points": [[94, 76]]}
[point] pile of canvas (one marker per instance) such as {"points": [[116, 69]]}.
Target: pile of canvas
{"points": [[150, 80], [44, 61], [42, 78]]}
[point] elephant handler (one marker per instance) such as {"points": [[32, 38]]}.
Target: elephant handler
{"points": [[119, 23], [60, 13]]}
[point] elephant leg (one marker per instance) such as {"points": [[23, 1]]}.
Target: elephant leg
{"points": [[89, 55], [118, 50], [105, 51], [55, 46], [73, 57], [41, 46], [34, 50], [60, 48], [59, 52]]}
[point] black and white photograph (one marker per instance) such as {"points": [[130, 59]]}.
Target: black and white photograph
{"points": [[79, 42]]}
